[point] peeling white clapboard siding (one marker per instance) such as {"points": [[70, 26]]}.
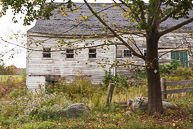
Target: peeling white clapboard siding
{"points": [[35, 82], [58, 65]]}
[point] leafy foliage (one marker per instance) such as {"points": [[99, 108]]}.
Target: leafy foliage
{"points": [[74, 91], [139, 74], [146, 17], [44, 110], [10, 83], [8, 70], [117, 79], [166, 69]]}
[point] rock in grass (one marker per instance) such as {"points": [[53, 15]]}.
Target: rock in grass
{"points": [[105, 115], [77, 110], [142, 103], [129, 102], [128, 113], [167, 104]]}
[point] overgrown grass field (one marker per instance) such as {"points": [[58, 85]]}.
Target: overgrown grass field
{"points": [[21, 110], [8, 77]]}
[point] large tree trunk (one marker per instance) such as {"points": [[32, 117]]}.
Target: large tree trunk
{"points": [[153, 75]]}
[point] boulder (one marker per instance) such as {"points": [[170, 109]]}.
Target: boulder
{"points": [[128, 113], [76, 110], [167, 104], [105, 115], [129, 102], [142, 103]]}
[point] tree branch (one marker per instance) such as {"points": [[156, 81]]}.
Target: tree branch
{"points": [[114, 33], [175, 27], [166, 17], [171, 50], [138, 18], [87, 18]]}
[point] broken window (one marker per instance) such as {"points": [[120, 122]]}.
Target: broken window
{"points": [[127, 53], [46, 52], [70, 53], [92, 53]]}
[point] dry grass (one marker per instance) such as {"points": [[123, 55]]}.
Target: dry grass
{"points": [[9, 83]]}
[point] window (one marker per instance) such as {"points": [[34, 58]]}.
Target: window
{"points": [[46, 52], [70, 53], [144, 52], [127, 53], [92, 53]]}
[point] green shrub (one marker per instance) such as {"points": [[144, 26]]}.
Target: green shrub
{"points": [[183, 73], [117, 79], [17, 93], [75, 91], [165, 69], [140, 74]]}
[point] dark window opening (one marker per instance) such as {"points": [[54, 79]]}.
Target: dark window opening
{"points": [[127, 53], [46, 52], [92, 53], [69, 53], [145, 52]]}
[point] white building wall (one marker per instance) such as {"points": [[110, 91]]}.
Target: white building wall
{"points": [[38, 68]]}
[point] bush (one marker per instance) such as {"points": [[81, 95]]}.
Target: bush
{"points": [[75, 90], [117, 79], [17, 93], [139, 74], [165, 69], [182, 73]]}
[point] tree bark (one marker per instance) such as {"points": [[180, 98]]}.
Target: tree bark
{"points": [[153, 74]]}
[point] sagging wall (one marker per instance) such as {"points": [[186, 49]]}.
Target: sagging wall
{"points": [[58, 65]]}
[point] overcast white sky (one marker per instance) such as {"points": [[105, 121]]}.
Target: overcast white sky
{"points": [[8, 28]]}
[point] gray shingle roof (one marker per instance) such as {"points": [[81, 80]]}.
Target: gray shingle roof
{"points": [[67, 25]]}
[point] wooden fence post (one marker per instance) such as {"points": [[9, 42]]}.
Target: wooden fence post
{"points": [[110, 92], [163, 88]]}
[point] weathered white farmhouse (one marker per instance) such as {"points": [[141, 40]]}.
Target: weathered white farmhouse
{"points": [[64, 46]]}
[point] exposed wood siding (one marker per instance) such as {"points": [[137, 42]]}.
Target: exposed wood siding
{"points": [[39, 67], [58, 64], [166, 43]]}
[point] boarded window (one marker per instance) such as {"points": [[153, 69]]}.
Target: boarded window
{"points": [[92, 53], [119, 53], [70, 53], [46, 52], [127, 53]]}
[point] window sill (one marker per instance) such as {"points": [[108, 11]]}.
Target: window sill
{"points": [[70, 59], [92, 59], [44, 58]]}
